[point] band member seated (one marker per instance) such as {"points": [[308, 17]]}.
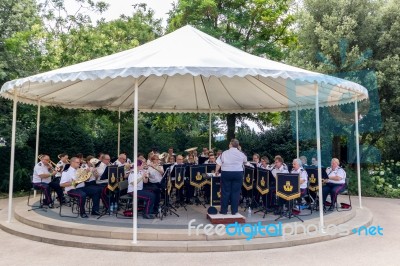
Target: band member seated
{"points": [[314, 162], [122, 161], [42, 174], [170, 154], [154, 151], [264, 163], [179, 161], [298, 168], [219, 152], [336, 182], [108, 200], [207, 187], [79, 191], [190, 159], [147, 196], [304, 161], [256, 159], [231, 164], [61, 164], [278, 167], [156, 172]]}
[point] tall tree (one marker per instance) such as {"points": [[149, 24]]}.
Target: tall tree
{"points": [[356, 40], [260, 27]]}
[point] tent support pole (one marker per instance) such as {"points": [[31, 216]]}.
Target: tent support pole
{"points": [[317, 128], [11, 185], [119, 131], [135, 155], [209, 132], [358, 151], [37, 139], [297, 132]]}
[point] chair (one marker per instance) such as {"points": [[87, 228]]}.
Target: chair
{"points": [[35, 191], [125, 201], [344, 206], [70, 202]]}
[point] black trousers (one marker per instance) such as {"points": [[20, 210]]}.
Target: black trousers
{"points": [[231, 183]]}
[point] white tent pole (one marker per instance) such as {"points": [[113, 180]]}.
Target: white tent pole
{"points": [[37, 133], [209, 131], [297, 131], [37, 140], [119, 131], [358, 151], [317, 128], [11, 185], [135, 155]]}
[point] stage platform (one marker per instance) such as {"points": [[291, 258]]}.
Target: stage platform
{"points": [[168, 235]]}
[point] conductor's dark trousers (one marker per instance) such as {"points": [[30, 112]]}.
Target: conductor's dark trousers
{"points": [[231, 183]]}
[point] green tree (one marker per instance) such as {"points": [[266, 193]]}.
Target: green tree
{"points": [[348, 38]]}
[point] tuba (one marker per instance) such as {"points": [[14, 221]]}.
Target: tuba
{"points": [[81, 176]]}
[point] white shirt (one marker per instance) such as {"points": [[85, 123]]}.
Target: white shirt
{"points": [[117, 162], [40, 169], [154, 175], [337, 172], [232, 160], [101, 168], [282, 169], [131, 178], [303, 176], [69, 176]]}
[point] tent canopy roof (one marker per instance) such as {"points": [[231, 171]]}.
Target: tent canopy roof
{"points": [[184, 71]]}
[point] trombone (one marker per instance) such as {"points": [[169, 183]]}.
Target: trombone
{"points": [[53, 166]]}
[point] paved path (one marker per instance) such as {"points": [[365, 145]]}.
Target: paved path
{"points": [[350, 250]]}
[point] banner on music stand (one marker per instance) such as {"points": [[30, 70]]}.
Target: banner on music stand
{"points": [[179, 174], [248, 177], [263, 176], [112, 176], [288, 186], [198, 175], [216, 191], [312, 173]]}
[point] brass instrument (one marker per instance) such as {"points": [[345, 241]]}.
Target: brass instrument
{"points": [[138, 181], [52, 166], [81, 176]]}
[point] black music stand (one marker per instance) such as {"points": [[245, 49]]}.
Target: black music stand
{"points": [[263, 185], [198, 178], [313, 184], [179, 173], [288, 188], [112, 175], [167, 206], [248, 184]]}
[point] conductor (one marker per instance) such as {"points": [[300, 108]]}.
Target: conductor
{"points": [[231, 164]]}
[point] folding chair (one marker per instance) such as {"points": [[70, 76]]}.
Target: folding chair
{"points": [[344, 206], [35, 191]]}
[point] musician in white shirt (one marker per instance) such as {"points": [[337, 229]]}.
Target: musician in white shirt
{"points": [[155, 185], [148, 196], [79, 191], [336, 182], [42, 174]]}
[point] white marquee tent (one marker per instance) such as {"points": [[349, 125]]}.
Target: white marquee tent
{"points": [[184, 71]]}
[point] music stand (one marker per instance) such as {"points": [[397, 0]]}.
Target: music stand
{"points": [[288, 188], [313, 183], [263, 185], [198, 178], [110, 178], [167, 207], [248, 184], [178, 173]]}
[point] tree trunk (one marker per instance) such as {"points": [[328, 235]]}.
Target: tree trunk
{"points": [[231, 125], [336, 147]]}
